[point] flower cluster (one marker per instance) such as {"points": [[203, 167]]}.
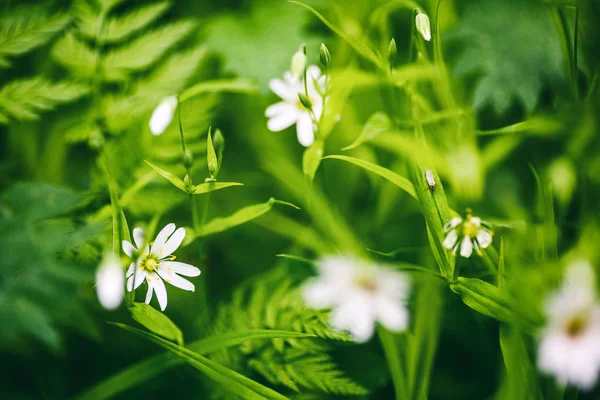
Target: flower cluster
{"points": [[569, 347], [359, 294], [468, 234]]}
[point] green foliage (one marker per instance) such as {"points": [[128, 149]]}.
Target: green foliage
{"points": [[512, 63], [273, 302], [156, 322]]}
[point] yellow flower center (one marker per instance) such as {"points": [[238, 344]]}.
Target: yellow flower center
{"points": [[149, 263], [366, 282], [576, 325], [470, 229]]}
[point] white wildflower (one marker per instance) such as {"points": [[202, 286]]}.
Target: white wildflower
{"points": [[359, 295], [422, 24], [155, 263], [468, 234], [290, 111], [569, 347], [110, 282], [163, 115]]}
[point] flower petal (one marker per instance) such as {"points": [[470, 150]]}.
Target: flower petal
{"points": [[484, 238], [313, 72], [392, 314], [130, 270], [128, 248], [149, 292], [162, 237], [275, 109], [320, 293], [453, 223], [466, 247], [354, 314], [172, 244], [138, 237], [304, 130], [139, 278], [161, 292], [283, 89], [283, 120], [180, 268], [476, 221], [175, 280], [163, 115], [450, 239]]}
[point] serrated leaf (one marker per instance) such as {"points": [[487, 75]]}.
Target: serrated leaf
{"points": [[21, 34], [144, 51], [311, 159], [120, 28], [238, 218], [75, 55], [152, 367], [174, 179], [207, 187], [385, 173], [231, 380], [24, 99], [156, 322], [376, 124]]}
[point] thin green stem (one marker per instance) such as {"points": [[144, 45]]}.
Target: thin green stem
{"points": [[181, 131], [575, 50], [204, 214]]}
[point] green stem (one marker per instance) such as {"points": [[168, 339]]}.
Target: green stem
{"points": [[390, 345], [204, 214], [575, 49]]}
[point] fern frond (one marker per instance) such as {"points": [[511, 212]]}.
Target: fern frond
{"points": [[144, 51], [120, 28], [24, 99], [21, 33], [75, 55]]}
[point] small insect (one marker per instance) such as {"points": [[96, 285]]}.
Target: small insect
{"points": [[430, 180]]}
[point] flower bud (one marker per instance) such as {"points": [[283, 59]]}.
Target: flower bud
{"points": [[163, 115], [188, 183], [392, 51], [324, 55], [110, 282], [298, 63], [305, 101], [563, 177], [422, 24]]}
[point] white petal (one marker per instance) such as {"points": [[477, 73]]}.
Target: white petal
{"points": [[392, 314], [354, 315], [484, 238], [163, 115], [476, 221], [161, 293], [175, 280], [180, 268], [313, 72], [466, 247], [283, 120], [453, 223], [172, 244], [110, 282], [138, 237], [304, 130], [130, 270], [319, 293], [275, 109], [450, 239], [149, 292], [139, 278], [128, 248], [283, 89], [162, 237]]}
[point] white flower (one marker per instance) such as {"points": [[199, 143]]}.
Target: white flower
{"points": [[468, 234], [163, 115], [154, 263], [569, 348], [110, 282], [422, 24], [290, 111], [359, 294]]}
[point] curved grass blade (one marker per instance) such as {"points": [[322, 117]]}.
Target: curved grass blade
{"points": [[156, 322], [207, 187], [219, 85], [174, 179]]}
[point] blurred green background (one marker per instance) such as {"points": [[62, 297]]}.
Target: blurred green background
{"points": [[62, 126]]}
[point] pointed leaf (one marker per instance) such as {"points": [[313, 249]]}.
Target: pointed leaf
{"points": [[171, 177], [211, 156], [156, 322], [207, 187], [376, 124], [120, 28]]}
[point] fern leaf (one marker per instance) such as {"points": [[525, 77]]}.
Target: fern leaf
{"points": [[144, 51], [75, 55], [120, 28], [22, 33], [24, 99]]}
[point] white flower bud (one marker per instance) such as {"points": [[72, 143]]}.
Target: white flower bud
{"points": [[298, 63], [110, 282], [422, 24], [163, 115]]}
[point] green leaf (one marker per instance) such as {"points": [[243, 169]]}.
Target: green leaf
{"points": [[228, 379], [312, 159], [385, 173], [219, 146], [143, 371], [207, 187], [512, 63], [491, 301], [156, 322], [118, 29], [179, 184], [20, 34], [75, 55], [238, 218], [377, 123], [521, 372], [24, 99], [218, 85], [144, 51]]}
